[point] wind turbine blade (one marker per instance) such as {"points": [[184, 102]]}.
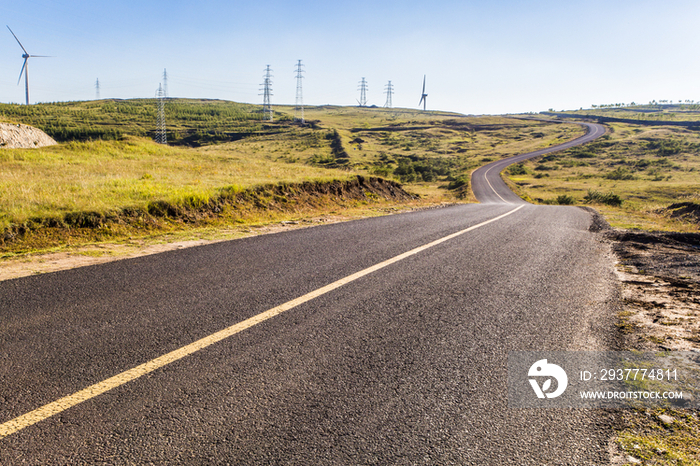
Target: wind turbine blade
{"points": [[20, 43], [423, 84], [41, 56], [22, 71]]}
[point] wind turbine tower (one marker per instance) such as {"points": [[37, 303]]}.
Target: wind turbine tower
{"points": [[363, 93], [299, 109], [267, 93], [423, 97], [25, 66], [389, 91]]}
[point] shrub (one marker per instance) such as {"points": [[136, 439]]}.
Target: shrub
{"points": [[583, 154], [405, 171], [517, 169], [382, 171], [460, 186], [459, 182], [337, 148], [610, 199], [620, 174], [565, 199], [666, 147]]}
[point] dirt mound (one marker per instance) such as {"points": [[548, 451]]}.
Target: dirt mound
{"points": [[23, 137], [688, 211]]}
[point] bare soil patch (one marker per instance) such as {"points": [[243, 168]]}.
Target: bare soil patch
{"points": [[660, 276]]}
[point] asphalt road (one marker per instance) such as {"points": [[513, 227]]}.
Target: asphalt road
{"points": [[489, 187], [404, 363]]}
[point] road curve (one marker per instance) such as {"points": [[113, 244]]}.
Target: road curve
{"points": [[489, 187]]}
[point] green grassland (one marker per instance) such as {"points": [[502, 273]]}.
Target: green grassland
{"points": [[106, 163], [632, 175]]}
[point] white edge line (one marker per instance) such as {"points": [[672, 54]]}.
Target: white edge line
{"points": [[592, 128], [44, 412], [492, 188]]}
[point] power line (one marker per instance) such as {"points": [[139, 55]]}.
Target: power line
{"points": [[299, 109], [363, 93], [389, 91], [267, 93]]}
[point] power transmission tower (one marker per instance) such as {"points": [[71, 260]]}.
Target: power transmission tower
{"points": [[97, 89], [389, 91], [299, 109], [161, 137], [267, 93], [363, 93], [165, 83]]}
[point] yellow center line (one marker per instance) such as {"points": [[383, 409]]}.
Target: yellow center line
{"points": [[60, 405]]}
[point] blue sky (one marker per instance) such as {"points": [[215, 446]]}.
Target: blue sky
{"points": [[480, 56]]}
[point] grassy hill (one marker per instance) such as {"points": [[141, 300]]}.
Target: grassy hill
{"points": [[190, 122], [107, 166]]}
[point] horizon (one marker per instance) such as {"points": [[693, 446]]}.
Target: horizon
{"points": [[290, 106]]}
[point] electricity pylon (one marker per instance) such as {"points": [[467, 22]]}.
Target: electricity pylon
{"points": [[363, 93], [161, 137], [389, 91], [267, 93], [299, 109]]}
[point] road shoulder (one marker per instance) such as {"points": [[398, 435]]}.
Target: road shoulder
{"points": [[659, 276]]}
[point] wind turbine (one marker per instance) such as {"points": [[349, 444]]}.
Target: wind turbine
{"points": [[423, 96], [25, 68]]}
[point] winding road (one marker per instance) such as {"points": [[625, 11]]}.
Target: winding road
{"points": [[378, 341], [489, 187]]}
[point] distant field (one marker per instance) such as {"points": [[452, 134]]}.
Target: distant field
{"points": [[647, 113], [646, 168], [106, 161]]}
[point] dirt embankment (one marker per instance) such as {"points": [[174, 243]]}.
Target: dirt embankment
{"points": [[23, 137], [228, 205], [688, 211]]}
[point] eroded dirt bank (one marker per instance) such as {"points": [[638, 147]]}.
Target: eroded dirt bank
{"points": [[229, 204], [95, 238]]}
